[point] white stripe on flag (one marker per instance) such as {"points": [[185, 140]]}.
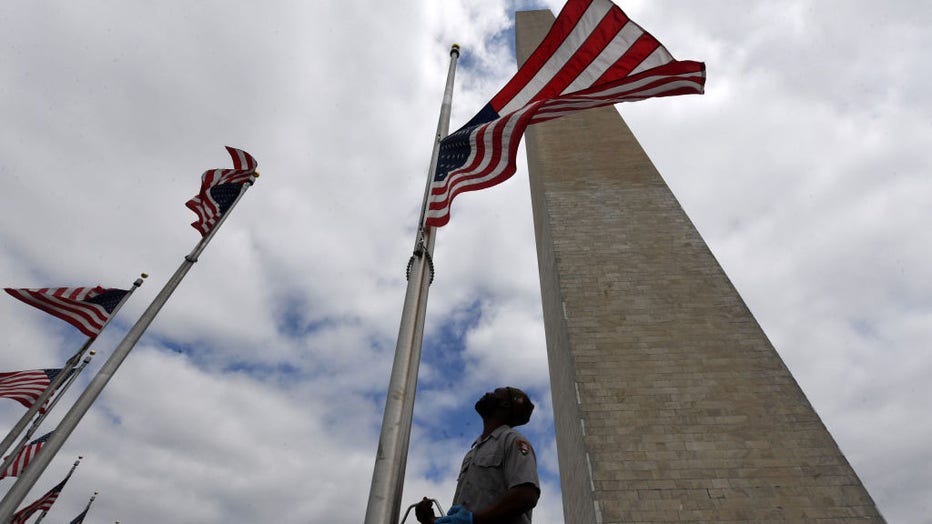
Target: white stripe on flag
{"points": [[590, 19], [659, 57], [65, 308], [607, 58]]}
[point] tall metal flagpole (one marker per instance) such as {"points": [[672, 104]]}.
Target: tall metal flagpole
{"points": [[38, 421], [38, 464], [62, 375], [388, 475]]}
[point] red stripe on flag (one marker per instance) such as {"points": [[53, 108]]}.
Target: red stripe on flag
{"points": [[68, 305], [564, 25], [88, 314], [241, 159], [25, 387], [22, 459], [76, 315], [640, 50], [600, 37]]}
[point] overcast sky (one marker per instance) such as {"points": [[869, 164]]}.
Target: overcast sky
{"points": [[257, 394]]}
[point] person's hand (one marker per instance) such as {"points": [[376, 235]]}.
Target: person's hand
{"points": [[456, 515], [424, 512]]}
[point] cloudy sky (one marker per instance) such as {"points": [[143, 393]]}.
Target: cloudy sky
{"points": [[257, 394]]}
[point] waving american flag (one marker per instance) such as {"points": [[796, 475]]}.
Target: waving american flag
{"points": [[24, 456], [44, 503], [86, 308], [219, 189], [25, 387], [593, 56]]}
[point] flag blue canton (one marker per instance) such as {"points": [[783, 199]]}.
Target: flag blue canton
{"points": [[455, 148], [224, 195], [109, 299]]}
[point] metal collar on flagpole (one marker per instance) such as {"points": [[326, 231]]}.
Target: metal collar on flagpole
{"points": [[388, 475], [62, 375], [38, 464]]}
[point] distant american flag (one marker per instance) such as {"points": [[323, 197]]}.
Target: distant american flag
{"points": [[593, 56], [24, 456], [80, 518], [43, 504], [219, 189], [25, 387], [86, 308]]}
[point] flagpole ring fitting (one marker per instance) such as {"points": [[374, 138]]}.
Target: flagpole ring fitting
{"points": [[455, 48], [430, 264]]}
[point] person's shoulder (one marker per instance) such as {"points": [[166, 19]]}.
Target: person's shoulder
{"points": [[511, 433], [512, 438]]}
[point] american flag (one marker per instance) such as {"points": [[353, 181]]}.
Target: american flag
{"points": [[25, 387], [86, 308], [43, 504], [219, 189], [593, 56], [24, 456], [80, 518]]}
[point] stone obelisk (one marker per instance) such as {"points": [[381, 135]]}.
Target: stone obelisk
{"points": [[670, 403]]}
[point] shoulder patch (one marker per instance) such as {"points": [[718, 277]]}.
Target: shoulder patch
{"points": [[523, 446]]}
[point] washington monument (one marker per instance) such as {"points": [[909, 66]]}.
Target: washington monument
{"points": [[670, 403]]}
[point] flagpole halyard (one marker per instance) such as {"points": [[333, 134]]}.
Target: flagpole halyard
{"points": [[384, 505], [63, 374], [31, 474]]}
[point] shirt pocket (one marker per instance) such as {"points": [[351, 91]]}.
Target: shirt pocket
{"points": [[489, 458], [467, 460]]}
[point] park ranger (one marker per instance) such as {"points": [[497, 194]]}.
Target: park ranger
{"points": [[498, 481]]}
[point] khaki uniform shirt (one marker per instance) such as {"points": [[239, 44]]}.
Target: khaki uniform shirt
{"points": [[500, 461]]}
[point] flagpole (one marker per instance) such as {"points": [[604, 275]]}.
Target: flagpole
{"points": [[62, 375], [384, 504], [38, 421], [73, 467], [38, 464]]}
